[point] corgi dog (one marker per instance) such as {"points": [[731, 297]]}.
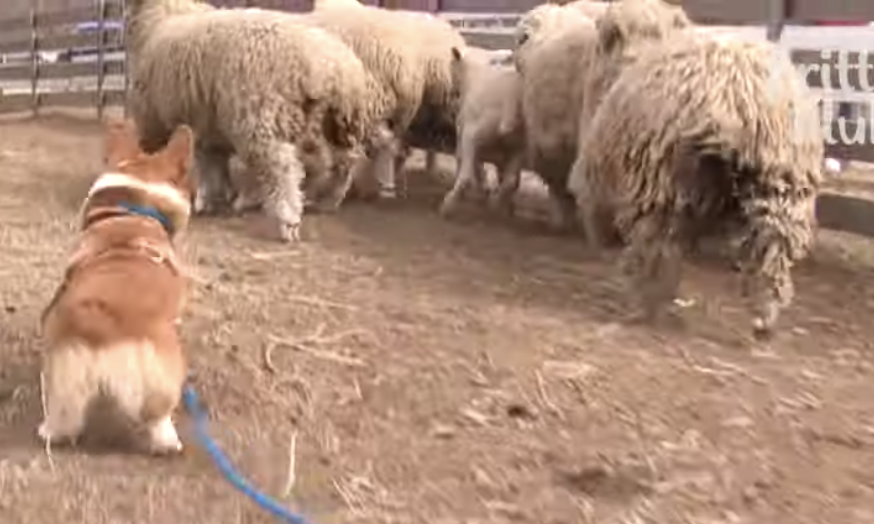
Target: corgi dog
{"points": [[111, 328]]}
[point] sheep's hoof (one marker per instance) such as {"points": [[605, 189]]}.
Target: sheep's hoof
{"points": [[243, 205], [198, 205], [289, 232], [502, 204], [762, 331], [447, 208], [388, 193], [205, 207]]}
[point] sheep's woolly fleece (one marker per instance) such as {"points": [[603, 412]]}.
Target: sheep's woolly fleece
{"points": [[408, 53], [696, 133], [565, 68], [251, 82], [553, 90]]}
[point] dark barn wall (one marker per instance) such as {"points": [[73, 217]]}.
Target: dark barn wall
{"points": [[488, 6], [704, 11]]}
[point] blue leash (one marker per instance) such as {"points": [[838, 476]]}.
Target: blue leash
{"points": [[199, 415]]}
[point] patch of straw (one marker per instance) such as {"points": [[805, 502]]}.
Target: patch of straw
{"points": [[312, 345], [44, 404], [291, 478]]}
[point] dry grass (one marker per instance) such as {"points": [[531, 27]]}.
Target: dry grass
{"points": [[396, 368]]}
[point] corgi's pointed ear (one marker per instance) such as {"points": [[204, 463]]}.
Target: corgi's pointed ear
{"points": [[180, 150], [121, 142]]}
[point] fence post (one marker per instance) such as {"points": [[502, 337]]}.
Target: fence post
{"points": [[126, 56], [778, 10], [34, 63], [101, 57]]}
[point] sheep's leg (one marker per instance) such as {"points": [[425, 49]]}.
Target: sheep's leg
{"points": [[388, 179], [563, 209], [771, 246], [770, 295], [386, 165], [510, 176], [385, 170], [278, 167], [378, 169], [467, 166], [349, 165], [430, 162], [399, 176], [320, 168], [480, 187], [588, 206], [652, 263], [214, 188]]}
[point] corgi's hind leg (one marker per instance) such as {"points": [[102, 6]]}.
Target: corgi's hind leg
{"points": [[163, 438], [163, 392], [64, 421], [151, 407], [152, 402], [67, 392]]}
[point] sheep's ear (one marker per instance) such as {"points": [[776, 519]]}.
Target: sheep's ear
{"points": [[610, 35], [456, 54]]}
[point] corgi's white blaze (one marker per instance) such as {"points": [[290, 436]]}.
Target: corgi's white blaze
{"points": [[160, 191]]}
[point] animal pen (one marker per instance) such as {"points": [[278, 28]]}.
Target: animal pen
{"points": [[74, 56], [400, 367]]}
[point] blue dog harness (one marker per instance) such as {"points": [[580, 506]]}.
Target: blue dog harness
{"points": [[150, 212]]}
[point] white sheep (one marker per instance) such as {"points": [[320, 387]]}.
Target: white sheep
{"points": [[282, 94], [490, 128], [409, 54], [688, 136]]}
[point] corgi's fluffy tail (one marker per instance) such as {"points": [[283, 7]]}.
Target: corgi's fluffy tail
{"points": [[143, 383]]}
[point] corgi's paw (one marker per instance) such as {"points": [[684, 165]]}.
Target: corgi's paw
{"points": [[163, 439]]}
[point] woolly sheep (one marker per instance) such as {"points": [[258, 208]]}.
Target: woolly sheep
{"points": [[242, 189], [561, 69], [282, 94], [489, 128], [695, 134], [552, 92], [409, 54]]}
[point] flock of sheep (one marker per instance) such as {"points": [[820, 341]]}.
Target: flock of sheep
{"points": [[646, 129]]}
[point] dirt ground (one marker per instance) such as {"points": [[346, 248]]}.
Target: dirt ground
{"points": [[447, 372]]}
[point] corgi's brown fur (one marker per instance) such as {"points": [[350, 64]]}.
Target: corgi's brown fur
{"points": [[111, 326]]}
